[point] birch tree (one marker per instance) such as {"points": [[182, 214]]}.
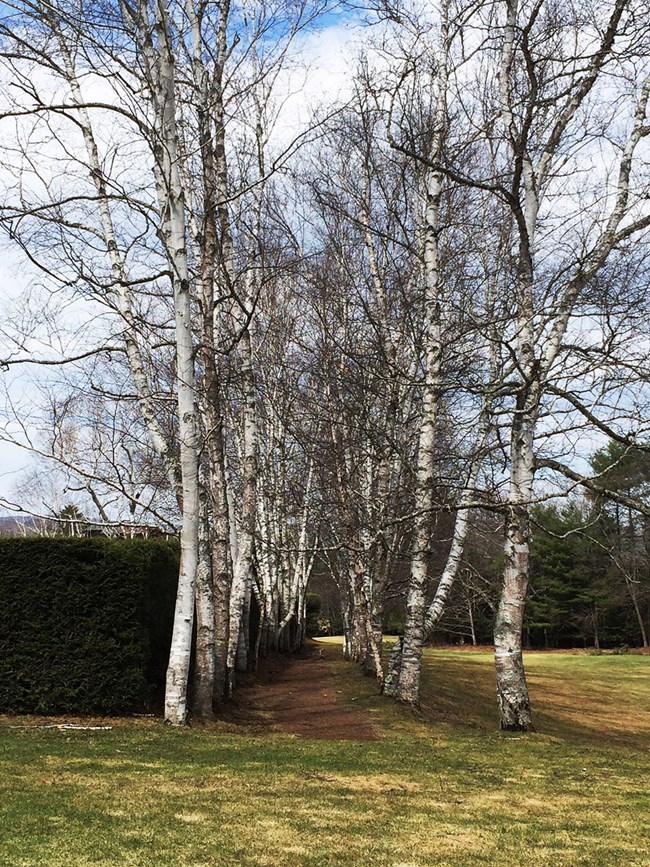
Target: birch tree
{"points": [[408, 682], [319, 371], [362, 357], [175, 76], [528, 78], [522, 165]]}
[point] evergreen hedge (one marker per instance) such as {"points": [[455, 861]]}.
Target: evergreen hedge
{"points": [[85, 624]]}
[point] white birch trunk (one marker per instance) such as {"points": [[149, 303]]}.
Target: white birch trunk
{"points": [[160, 64], [204, 675], [243, 569], [211, 392], [408, 685], [512, 691]]}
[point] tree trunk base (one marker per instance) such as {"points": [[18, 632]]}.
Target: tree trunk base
{"points": [[516, 727], [515, 716], [391, 679]]}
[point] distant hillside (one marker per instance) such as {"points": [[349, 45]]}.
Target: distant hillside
{"points": [[21, 525]]}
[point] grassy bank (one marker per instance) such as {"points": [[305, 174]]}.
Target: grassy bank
{"points": [[442, 787]]}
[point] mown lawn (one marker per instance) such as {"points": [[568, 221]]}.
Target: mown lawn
{"points": [[441, 787]]}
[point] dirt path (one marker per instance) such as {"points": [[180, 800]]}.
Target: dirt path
{"points": [[300, 695]]}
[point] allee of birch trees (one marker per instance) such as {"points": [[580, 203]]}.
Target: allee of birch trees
{"points": [[330, 348]]}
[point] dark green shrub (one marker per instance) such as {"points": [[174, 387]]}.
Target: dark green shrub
{"points": [[85, 624]]}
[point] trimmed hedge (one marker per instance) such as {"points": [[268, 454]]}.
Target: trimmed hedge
{"points": [[85, 624]]}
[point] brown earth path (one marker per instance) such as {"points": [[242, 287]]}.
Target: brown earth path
{"points": [[300, 695]]}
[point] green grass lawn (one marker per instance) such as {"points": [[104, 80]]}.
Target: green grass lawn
{"points": [[440, 787]]}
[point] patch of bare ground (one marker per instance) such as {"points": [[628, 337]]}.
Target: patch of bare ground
{"points": [[299, 695]]}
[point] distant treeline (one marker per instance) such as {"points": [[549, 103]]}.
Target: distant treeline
{"points": [[590, 577]]}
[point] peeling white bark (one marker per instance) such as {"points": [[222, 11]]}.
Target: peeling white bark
{"points": [[159, 60], [408, 685], [512, 691]]}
